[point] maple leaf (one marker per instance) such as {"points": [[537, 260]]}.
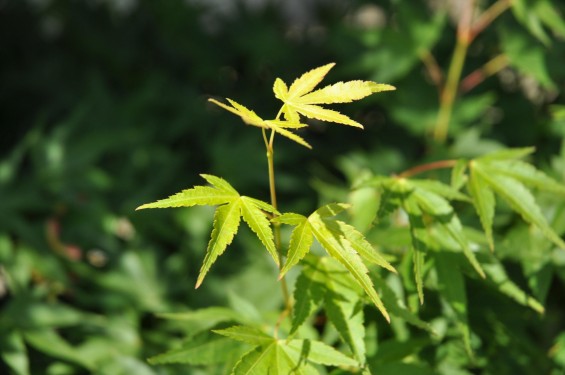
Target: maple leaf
{"points": [[502, 173], [341, 241], [251, 118], [299, 99], [232, 207], [273, 356]]}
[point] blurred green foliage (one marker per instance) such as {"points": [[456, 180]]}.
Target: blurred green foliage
{"points": [[103, 107]]}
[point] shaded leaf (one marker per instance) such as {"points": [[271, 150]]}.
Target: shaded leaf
{"points": [[348, 321], [419, 249], [452, 288]]}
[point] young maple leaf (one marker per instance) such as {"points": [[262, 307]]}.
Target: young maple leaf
{"points": [[299, 99], [232, 207], [340, 240], [251, 118]]}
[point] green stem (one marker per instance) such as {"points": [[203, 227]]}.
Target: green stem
{"points": [[447, 98], [448, 94], [276, 226]]}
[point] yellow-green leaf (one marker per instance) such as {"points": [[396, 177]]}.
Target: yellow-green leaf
{"points": [[300, 100], [344, 92], [226, 223], [521, 200], [362, 246], [308, 81], [484, 202], [343, 252], [247, 115], [259, 224], [196, 196], [300, 242]]}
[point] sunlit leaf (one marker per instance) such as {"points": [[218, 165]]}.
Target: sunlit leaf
{"points": [[301, 240], [226, 223], [259, 224], [232, 207], [300, 100], [347, 256], [519, 198]]}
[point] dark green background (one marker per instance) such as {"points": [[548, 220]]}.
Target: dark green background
{"points": [[103, 108]]}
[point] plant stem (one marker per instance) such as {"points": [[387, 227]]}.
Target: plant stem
{"points": [[427, 167], [449, 92], [466, 33], [492, 67], [276, 226], [447, 98]]}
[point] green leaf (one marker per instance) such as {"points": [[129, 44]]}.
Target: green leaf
{"points": [[226, 223], [247, 334], [320, 353], [205, 318], [227, 217], [331, 209], [348, 320], [197, 196], [50, 342], [484, 202], [519, 198], [527, 174], [219, 183], [347, 256], [201, 351], [14, 352], [299, 100], [455, 229], [498, 277], [431, 203], [534, 15], [289, 218], [419, 249], [301, 240], [458, 174], [508, 154], [395, 308], [260, 225], [452, 288], [308, 293], [247, 115], [439, 188], [276, 359], [251, 118], [260, 361], [362, 246]]}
